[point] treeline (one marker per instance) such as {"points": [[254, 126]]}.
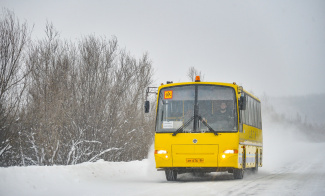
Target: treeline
{"points": [[65, 103]]}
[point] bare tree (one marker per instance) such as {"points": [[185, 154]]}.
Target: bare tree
{"points": [[86, 103], [83, 101], [192, 72], [14, 37], [50, 101]]}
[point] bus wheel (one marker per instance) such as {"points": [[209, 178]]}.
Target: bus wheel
{"points": [[238, 173], [171, 175]]}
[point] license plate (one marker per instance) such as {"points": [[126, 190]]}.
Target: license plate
{"points": [[197, 160]]}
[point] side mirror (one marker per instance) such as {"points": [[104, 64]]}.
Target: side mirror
{"points": [[146, 106], [242, 102]]}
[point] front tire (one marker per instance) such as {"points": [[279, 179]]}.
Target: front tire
{"points": [[171, 175]]}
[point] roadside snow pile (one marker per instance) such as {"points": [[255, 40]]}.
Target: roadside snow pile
{"points": [[84, 179]]}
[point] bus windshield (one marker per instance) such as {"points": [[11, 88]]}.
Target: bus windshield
{"points": [[186, 107]]}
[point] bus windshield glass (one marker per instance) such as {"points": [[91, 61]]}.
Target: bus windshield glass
{"points": [[184, 108]]}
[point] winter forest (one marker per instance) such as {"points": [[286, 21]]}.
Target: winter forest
{"points": [[64, 102]]}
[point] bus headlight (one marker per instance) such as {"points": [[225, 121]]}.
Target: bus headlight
{"points": [[230, 151], [234, 151], [160, 151]]}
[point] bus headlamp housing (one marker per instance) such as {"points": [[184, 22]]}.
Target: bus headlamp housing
{"points": [[160, 151], [235, 151]]}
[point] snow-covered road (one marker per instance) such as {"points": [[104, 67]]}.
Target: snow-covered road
{"points": [[302, 175], [292, 166]]}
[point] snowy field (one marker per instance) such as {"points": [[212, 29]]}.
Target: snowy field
{"points": [[292, 166]]}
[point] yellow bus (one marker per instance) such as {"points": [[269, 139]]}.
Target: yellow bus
{"points": [[206, 127]]}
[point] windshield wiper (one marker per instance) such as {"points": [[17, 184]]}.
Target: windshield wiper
{"points": [[180, 129], [207, 125]]}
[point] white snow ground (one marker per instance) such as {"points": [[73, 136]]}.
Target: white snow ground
{"points": [[292, 166]]}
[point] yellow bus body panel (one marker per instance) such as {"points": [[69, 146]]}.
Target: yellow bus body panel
{"points": [[252, 139], [206, 152]]}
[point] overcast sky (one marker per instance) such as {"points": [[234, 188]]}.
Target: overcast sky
{"points": [[272, 47]]}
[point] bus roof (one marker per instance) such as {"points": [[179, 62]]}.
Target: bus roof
{"points": [[234, 85]]}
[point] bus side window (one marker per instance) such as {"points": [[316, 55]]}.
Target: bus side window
{"points": [[259, 116], [241, 115], [254, 113], [244, 115], [251, 110]]}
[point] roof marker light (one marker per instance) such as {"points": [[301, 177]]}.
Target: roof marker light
{"points": [[197, 79]]}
